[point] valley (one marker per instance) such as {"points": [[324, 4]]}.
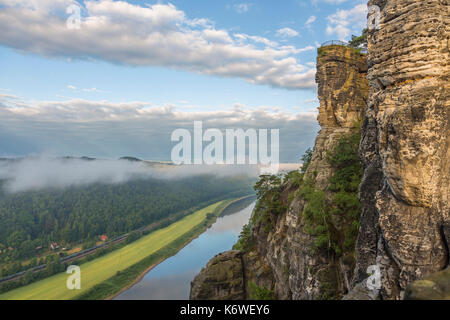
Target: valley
{"points": [[152, 248]]}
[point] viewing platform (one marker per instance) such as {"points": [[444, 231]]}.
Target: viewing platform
{"points": [[342, 43]]}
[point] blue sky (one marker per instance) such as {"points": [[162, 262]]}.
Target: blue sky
{"points": [[161, 64]]}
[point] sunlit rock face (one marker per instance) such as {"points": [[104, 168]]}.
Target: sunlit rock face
{"points": [[342, 92], [405, 145]]}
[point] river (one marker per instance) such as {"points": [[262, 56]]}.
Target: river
{"points": [[172, 278]]}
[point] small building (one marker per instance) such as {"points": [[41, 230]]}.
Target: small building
{"points": [[103, 238], [54, 246], [10, 248]]}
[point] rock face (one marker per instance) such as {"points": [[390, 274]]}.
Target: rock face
{"points": [[226, 277], [222, 279], [282, 260], [434, 287], [342, 91], [405, 145]]}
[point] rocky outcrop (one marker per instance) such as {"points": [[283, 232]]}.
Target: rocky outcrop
{"points": [[227, 275], [342, 91], [291, 269], [434, 287], [221, 279], [405, 145]]}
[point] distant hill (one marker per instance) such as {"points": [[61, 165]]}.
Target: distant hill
{"points": [[133, 159]]}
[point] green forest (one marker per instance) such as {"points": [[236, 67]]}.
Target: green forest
{"points": [[31, 221]]}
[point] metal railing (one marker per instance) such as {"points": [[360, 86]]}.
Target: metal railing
{"points": [[334, 43], [362, 49]]}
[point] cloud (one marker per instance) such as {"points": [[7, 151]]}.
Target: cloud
{"points": [[242, 7], [81, 110], [137, 128], [345, 22], [310, 21], [241, 38], [36, 173], [154, 35], [287, 33], [74, 88], [92, 90]]}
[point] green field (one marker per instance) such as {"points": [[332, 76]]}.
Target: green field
{"points": [[105, 267]]}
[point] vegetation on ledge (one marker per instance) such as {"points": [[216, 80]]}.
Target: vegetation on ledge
{"points": [[321, 213], [269, 204], [259, 293]]}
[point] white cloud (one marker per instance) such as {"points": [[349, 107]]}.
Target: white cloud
{"points": [[81, 110], [74, 88], [92, 90], [310, 20], [217, 36], [138, 128], [287, 33], [242, 7], [155, 35], [345, 22], [241, 38]]}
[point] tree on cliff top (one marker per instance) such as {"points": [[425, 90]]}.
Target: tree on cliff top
{"points": [[359, 42]]}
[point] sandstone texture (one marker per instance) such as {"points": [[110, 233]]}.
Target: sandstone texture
{"points": [[405, 145], [434, 287], [221, 279], [226, 277]]}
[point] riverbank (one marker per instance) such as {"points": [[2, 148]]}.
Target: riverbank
{"points": [[125, 264], [235, 205], [171, 279], [124, 280]]}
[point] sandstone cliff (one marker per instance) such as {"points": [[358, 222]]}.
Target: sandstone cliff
{"points": [[405, 145], [434, 287]]}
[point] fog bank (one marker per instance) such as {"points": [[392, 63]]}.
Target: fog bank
{"points": [[42, 172]]}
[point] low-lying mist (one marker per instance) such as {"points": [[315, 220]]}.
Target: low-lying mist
{"points": [[31, 174]]}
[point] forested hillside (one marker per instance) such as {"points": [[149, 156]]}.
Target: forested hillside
{"points": [[34, 219]]}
